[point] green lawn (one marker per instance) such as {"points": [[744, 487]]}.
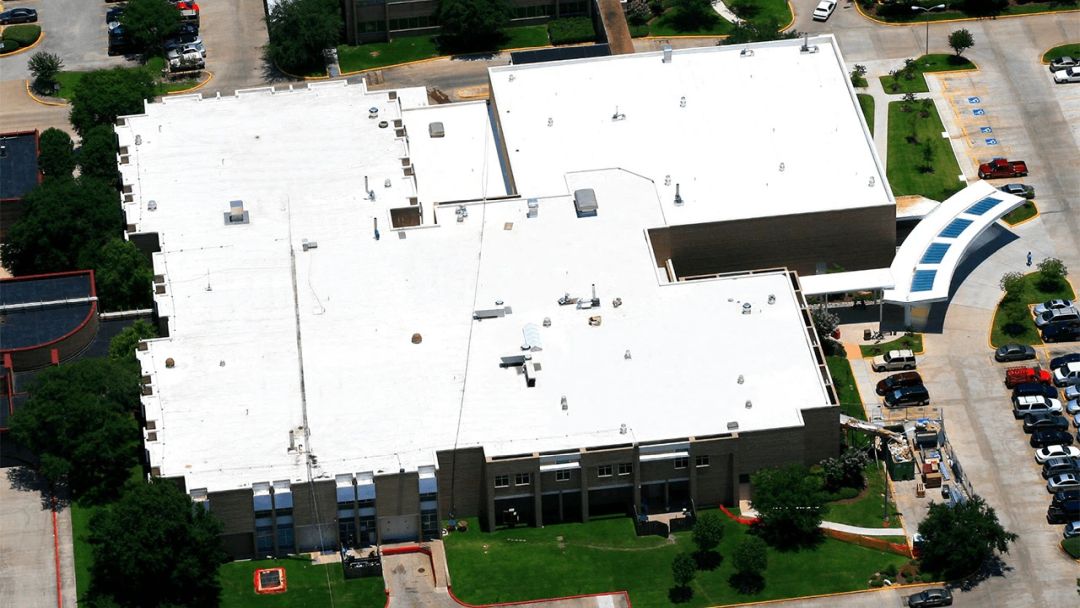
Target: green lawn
{"points": [[866, 102], [909, 137], [912, 342], [602, 556], [776, 11], [1013, 322], [373, 55], [1070, 50], [80, 529], [846, 389], [866, 510], [308, 586], [153, 65], [1026, 211], [1013, 9], [941, 62]]}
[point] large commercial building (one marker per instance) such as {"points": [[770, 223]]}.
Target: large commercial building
{"points": [[580, 298]]}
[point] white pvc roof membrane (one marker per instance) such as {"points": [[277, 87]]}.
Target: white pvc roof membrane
{"points": [[924, 264], [843, 282], [773, 132]]}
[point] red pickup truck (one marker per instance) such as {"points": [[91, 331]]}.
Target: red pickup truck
{"points": [[1000, 167], [1020, 375]]}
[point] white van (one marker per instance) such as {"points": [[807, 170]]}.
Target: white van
{"points": [[894, 360], [1031, 404]]}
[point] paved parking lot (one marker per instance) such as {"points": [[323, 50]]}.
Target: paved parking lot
{"points": [[74, 29], [27, 557], [234, 33]]}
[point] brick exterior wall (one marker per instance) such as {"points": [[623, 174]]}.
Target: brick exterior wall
{"points": [[237, 514]]}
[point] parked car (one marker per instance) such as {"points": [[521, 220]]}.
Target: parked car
{"points": [[1040, 439], [1021, 190], [185, 40], [1072, 392], [1067, 374], [1063, 512], [1061, 361], [1035, 404], [1045, 420], [1070, 499], [1042, 307], [824, 9], [1062, 63], [1060, 465], [18, 15], [1067, 75], [119, 41], [1001, 167], [1057, 315], [1034, 388], [187, 28], [1062, 481], [1072, 406], [894, 360], [1076, 422], [1020, 375], [907, 395], [1072, 529], [930, 598], [896, 381], [1061, 332], [112, 16], [1014, 352], [1056, 451]]}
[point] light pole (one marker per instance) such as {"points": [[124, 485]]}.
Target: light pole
{"points": [[927, 11]]}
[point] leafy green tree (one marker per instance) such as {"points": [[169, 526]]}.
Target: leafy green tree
{"points": [[1053, 272], [960, 41], [1012, 283], [708, 531], [683, 569], [790, 505], [123, 276], [961, 538], [300, 30], [56, 154], [473, 25], [102, 95], [845, 471], [154, 547], [148, 22], [65, 222], [759, 30], [122, 346], [79, 422], [97, 154], [751, 558], [44, 66]]}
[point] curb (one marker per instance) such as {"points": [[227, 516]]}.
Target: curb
{"points": [[921, 351], [437, 57], [1042, 58], [37, 99], [291, 75], [1022, 222], [791, 7], [823, 595], [41, 36], [717, 37], [209, 77], [957, 20]]}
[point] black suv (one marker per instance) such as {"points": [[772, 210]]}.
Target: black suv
{"points": [[1039, 421], [1042, 438], [907, 395], [1035, 388], [1064, 332]]}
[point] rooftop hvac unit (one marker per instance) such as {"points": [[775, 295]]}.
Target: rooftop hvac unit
{"points": [[236, 213], [436, 129], [492, 313], [532, 338], [667, 53], [532, 371], [585, 202]]}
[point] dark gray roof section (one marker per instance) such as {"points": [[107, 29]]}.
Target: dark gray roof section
{"points": [[18, 165], [560, 54], [44, 289], [26, 318]]}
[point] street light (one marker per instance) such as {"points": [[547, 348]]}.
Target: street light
{"points": [[927, 11]]}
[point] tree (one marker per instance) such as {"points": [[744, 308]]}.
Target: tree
{"points": [[759, 30], [693, 15], [153, 547], [1052, 273], [79, 422], [790, 505], [638, 12], [97, 154], [64, 223], [473, 25], [961, 538], [300, 30], [960, 41], [148, 22], [846, 471], [102, 95], [708, 531], [906, 101], [928, 155], [56, 155], [1012, 283], [123, 276], [858, 76], [683, 570], [44, 67], [122, 346], [751, 559]]}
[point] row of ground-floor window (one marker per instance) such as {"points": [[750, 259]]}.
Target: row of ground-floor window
{"points": [[569, 506]]}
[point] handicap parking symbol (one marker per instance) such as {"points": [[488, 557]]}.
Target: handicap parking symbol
{"points": [[990, 141], [979, 112], [986, 130], [974, 100]]}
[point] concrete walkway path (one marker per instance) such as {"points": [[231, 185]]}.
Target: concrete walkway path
{"points": [[831, 525], [725, 12]]}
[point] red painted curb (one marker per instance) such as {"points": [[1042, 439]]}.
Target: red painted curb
{"points": [[56, 556]]}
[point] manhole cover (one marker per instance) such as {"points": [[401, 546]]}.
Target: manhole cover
{"points": [[420, 570]]}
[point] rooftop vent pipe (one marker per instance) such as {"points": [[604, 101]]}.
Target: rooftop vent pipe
{"points": [[667, 53]]}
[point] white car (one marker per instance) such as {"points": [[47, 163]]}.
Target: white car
{"points": [[824, 9], [1051, 305], [1056, 451], [1063, 76], [1067, 374]]}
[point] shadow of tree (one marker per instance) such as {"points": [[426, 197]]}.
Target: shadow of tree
{"points": [[707, 560], [747, 583], [26, 479], [680, 595]]}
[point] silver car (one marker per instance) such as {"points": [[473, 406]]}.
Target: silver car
{"points": [[1063, 481], [1057, 315], [1052, 305], [1062, 63]]}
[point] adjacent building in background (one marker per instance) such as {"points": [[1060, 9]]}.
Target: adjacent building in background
{"points": [[19, 174], [581, 298]]}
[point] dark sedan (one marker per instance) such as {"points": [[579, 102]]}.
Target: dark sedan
{"points": [[1014, 352], [930, 598], [1045, 421], [1042, 438], [18, 15], [1021, 190]]}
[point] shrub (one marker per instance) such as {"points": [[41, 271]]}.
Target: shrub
{"points": [[1072, 546], [571, 30], [1052, 273], [639, 31], [471, 25], [24, 34], [890, 571], [1012, 283], [44, 67], [877, 582], [637, 12], [858, 76]]}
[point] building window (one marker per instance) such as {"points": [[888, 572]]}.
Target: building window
{"points": [[521, 479], [626, 468], [603, 470], [680, 463], [701, 461], [562, 475], [502, 481]]}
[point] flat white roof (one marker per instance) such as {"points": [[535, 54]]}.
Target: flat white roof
{"points": [[773, 132], [262, 330], [842, 282]]}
